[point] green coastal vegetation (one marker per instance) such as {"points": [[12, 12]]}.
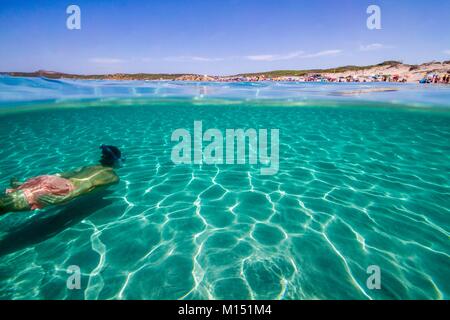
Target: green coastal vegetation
{"points": [[300, 73]]}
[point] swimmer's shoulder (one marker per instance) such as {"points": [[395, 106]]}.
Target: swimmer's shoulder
{"points": [[105, 171], [87, 171]]}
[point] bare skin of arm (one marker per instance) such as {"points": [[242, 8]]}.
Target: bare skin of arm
{"points": [[85, 180]]}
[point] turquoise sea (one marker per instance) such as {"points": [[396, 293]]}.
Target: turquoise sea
{"points": [[363, 180]]}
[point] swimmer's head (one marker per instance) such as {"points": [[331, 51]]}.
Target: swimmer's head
{"points": [[111, 156]]}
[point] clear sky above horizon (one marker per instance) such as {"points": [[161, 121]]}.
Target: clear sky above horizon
{"points": [[218, 37]]}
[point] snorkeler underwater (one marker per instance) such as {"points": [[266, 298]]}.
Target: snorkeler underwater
{"points": [[208, 152], [46, 190]]}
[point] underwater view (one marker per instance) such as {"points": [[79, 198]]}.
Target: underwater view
{"points": [[362, 180]]}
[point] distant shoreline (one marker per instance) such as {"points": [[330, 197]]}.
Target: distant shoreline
{"points": [[388, 71]]}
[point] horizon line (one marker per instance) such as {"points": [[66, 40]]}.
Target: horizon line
{"points": [[386, 62]]}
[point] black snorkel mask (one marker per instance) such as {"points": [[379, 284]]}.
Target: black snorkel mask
{"points": [[114, 155]]}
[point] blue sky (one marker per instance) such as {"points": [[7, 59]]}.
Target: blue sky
{"points": [[218, 36]]}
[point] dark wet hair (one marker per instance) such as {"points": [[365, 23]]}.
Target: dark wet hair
{"points": [[111, 156]]}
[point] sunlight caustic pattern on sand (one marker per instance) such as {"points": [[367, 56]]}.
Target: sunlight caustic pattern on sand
{"points": [[356, 187]]}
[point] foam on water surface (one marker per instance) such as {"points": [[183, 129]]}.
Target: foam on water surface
{"points": [[357, 186]]}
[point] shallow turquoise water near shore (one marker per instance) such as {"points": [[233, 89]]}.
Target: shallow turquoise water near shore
{"points": [[357, 186]]}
